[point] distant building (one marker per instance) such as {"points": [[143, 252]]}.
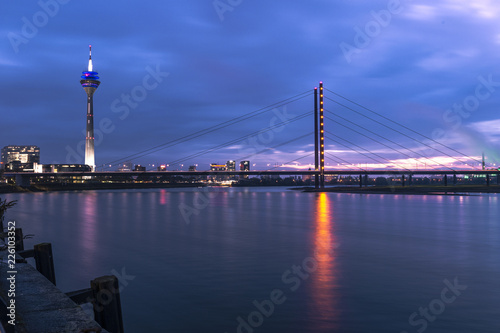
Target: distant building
{"points": [[192, 168], [23, 154], [19, 157], [245, 166], [17, 166], [231, 166], [217, 167], [66, 168], [162, 167], [139, 167], [126, 166]]}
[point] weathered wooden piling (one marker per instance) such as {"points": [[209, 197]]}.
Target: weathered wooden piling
{"points": [[45, 261], [19, 239], [107, 304]]}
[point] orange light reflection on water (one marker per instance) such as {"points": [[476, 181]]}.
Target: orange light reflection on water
{"points": [[324, 279]]}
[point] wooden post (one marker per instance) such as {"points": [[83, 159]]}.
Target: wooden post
{"points": [[360, 180], [445, 180], [454, 179], [410, 179], [487, 179], [45, 261], [107, 304], [19, 239], [403, 180]]}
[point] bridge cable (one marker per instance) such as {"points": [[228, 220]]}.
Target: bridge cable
{"points": [[405, 127], [296, 159], [400, 133], [346, 162], [228, 143], [384, 139], [357, 151], [212, 128], [279, 145]]}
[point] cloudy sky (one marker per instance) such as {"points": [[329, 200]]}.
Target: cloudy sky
{"points": [[177, 75]]}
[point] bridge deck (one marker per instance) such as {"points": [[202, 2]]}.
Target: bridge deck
{"points": [[257, 173]]}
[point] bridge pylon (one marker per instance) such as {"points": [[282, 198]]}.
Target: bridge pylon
{"points": [[321, 137]]}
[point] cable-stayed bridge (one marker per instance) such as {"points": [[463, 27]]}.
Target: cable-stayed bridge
{"points": [[388, 148]]}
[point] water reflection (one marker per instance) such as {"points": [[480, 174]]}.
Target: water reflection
{"points": [[163, 197], [88, 226], [324, 285]]}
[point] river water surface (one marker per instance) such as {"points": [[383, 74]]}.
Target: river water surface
{"points": [[274, 260]]}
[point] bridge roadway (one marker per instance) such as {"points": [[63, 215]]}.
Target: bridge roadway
{"points": [[255, 173], [23, 178]]}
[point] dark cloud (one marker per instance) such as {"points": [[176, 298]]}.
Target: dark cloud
{"points": [[415, 66]]}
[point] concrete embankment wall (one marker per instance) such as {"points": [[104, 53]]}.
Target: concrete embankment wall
{"points": [[39, 305]]}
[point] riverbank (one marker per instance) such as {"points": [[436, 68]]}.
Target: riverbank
{"points": [[8, 188], [427, 190], [31, 303]]}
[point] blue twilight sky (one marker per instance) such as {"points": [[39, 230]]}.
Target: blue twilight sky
{"points": [[173, 68]]}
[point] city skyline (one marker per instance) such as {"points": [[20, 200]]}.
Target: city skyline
{"points": [[429, 67]]}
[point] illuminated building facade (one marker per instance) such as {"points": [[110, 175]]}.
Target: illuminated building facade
{"points": [[217, 167], [245, 166], [139, 167], [90, 82], [65, 168], [125, 166], [20, 157], [231, 165]]}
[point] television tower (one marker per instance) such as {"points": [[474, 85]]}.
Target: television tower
{"points": [[90, 82]]}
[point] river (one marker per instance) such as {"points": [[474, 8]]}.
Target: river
{"points": [[274, 260]]}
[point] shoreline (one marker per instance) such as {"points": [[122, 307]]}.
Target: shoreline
{"points": [[418, 190], [8, 188]]}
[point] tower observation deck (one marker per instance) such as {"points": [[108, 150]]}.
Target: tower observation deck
{"points": [[90, 82]]}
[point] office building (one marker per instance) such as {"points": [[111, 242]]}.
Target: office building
{"points": [[217, 167], [19, 157], [125, 166], [231, 166], [139, 167], [245, 166]]}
